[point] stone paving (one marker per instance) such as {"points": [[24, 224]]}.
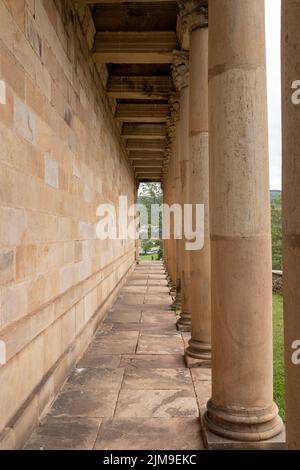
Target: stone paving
{"points": [[131, 389]]}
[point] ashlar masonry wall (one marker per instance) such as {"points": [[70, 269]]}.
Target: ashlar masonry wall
{"points": [[60, 157]]}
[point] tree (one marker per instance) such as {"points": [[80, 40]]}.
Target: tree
{"points": [[276, 221], [151, 194]]}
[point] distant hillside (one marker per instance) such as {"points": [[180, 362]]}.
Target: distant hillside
{"points": [[275, 193]]}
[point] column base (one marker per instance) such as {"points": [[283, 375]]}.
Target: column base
{"points": [[197, 354], [215, 442], [184, 322], [243, 425]]}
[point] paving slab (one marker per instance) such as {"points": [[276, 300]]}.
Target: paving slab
{"points": [[85, 403], [88, 379], [156, 403], [117, 342], [157, 317], [94, 358], [150, 361], [149, 434], [65, 433], [157, 379], [164, 327], [159, 344]]}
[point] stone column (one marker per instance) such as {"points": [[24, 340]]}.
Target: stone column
{"points": [[166, 195], [241, 407], [195, 15], [291, 215], [174, 112], [178, 200], [180, 69]]}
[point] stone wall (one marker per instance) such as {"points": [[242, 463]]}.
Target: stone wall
{"points": [[60, 156]]}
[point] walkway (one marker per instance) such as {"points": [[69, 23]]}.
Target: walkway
{"points": [[131, 389]]}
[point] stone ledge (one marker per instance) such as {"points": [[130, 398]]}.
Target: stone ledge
{"points": [[19, 334], [214, 442]]}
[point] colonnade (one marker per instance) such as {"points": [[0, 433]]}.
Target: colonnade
{"points": [[221, 142]]}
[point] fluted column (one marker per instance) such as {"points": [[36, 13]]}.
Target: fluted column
{"points": [[241, 407], [194, 19], [291, 215], [180, 69]]}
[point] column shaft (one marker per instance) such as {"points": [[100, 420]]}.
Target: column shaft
{"points": [[242, 406], [184, 322], [178, 201], [199, 344]]}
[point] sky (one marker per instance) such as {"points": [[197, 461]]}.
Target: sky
{"points": [[274, 89]]}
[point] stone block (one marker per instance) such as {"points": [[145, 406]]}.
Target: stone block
{"points": [[12, 72], [14, 302], [32, 34], [25, 261], [7, 265], [2, 92], [7, 108], [13, 226], [24, 121], [51, 172]]}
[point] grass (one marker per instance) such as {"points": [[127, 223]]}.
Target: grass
{"points": [[148, 257], [278, 352]]}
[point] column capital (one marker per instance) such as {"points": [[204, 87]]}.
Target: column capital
{"points": [[193, 14], [173, 118], [174, 108], [180, 69]]}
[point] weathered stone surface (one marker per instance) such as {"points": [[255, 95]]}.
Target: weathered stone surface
{"points": [[136, 397], [157, 379], [95, 359], [86, 403], [64, 433], [156, 403], [165, 327], [157, 317], [51, 172], [149, 433], [87, 379], [152, 361], [159, 344], [201, 373], [121, 316], [7, 265], [117, 342]]}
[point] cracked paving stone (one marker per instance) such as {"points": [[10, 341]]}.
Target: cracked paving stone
{"points": [[156, 403]]}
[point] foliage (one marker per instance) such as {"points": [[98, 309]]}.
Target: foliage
{"points": [[278, 377], [151, 194], [276, 231]]}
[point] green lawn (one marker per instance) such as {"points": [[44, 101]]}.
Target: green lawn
{"points": [[278, 352], [148, 257]]}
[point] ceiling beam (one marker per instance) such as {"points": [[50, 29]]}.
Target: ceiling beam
{"points": [[144, 131], [142, 112], [140, 155], [139, 87], [132, 47], [146, 145], [122, 1], [148, 167], [148, 175]]}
